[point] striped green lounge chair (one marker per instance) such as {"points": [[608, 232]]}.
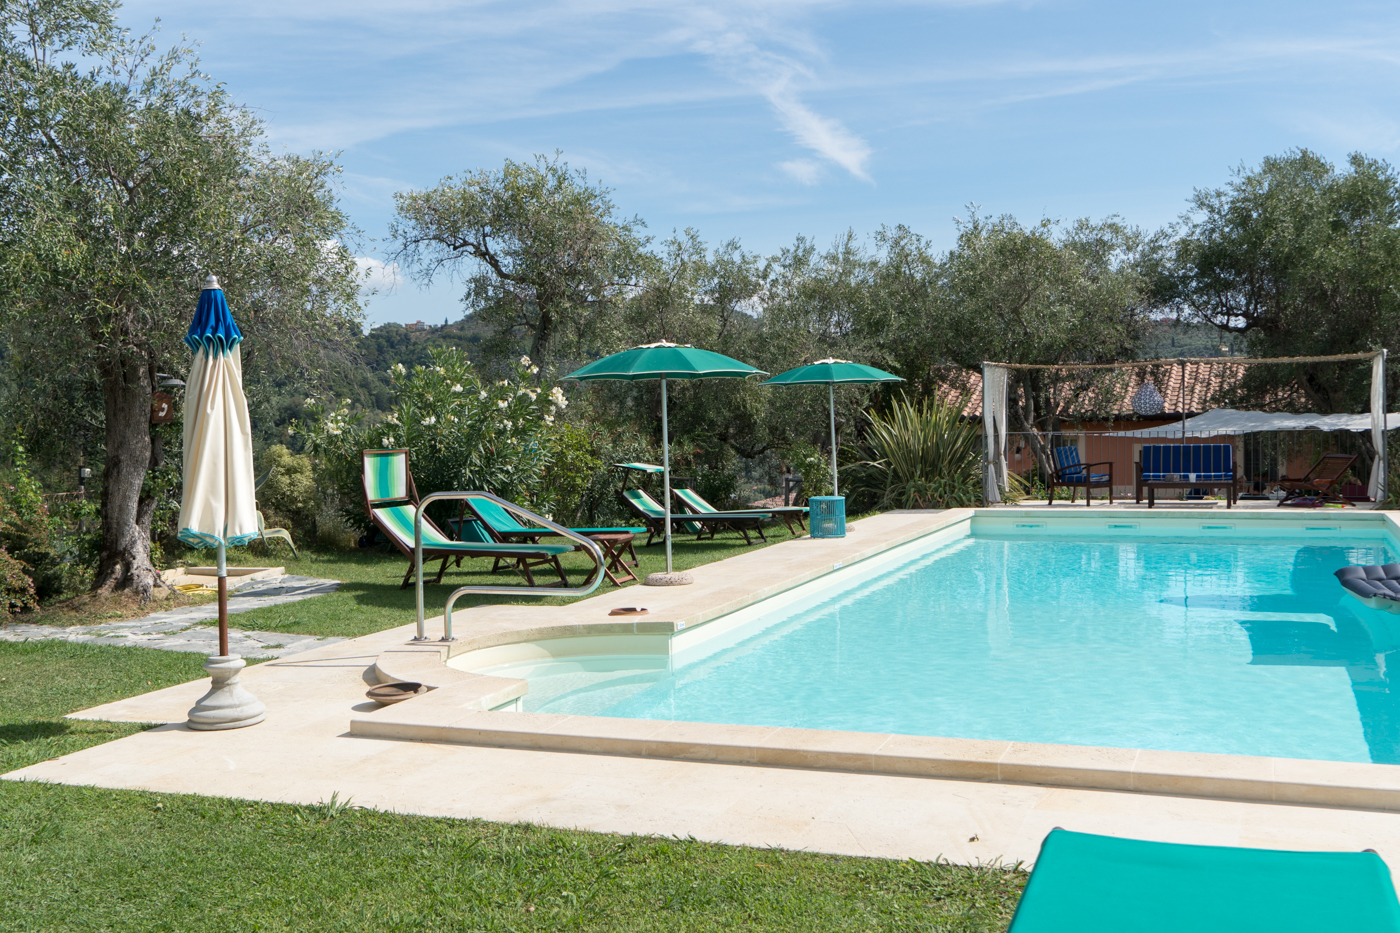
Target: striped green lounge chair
{"points": [[695, 503], [498, 524], [1102, 884], [654, 517], [392, 502]]}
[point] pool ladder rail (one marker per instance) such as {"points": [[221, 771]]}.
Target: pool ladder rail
{"points": [[593, 550]]}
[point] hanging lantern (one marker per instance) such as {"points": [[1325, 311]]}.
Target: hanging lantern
{"points": [[1148, 401]]}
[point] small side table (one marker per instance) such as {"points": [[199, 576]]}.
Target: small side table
{"points": [[617, 547]]}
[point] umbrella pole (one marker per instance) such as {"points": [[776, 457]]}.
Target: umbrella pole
{"points": [[666, 472], [223, 601], [831, 388]]}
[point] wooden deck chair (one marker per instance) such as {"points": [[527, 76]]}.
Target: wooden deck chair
{"points": [[1324, 478], [392, 502], [1074, 476]]}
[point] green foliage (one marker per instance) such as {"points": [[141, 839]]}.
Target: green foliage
{"points": [[1302, 259], [462, 433], [924, 455], [550, 259], [45, 555], [572, 463], [288, 496]]}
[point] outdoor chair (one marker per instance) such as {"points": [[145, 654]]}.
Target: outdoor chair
{"points": [[695, 504], [1324, 478], [1186, 466], [1096, 884], [391, 498], [281, 534], [654, 517], [1073, 475]]}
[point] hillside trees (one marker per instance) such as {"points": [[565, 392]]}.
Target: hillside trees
{"points": [[125, 182]]}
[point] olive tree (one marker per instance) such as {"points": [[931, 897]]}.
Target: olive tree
{"points": [[542, 252], [127, 177], [1303, 260]]}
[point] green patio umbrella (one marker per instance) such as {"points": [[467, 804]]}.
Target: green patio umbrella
{"points": [[664, 361], [831, 373]]}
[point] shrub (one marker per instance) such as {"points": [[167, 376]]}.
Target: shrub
{"points": [[288, 496], [36, 543], [462, 433], [923, 455]]}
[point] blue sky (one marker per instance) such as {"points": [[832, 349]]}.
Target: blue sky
{"points": [[764, 120]]}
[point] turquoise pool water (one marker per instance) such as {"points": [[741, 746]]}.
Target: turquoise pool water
{"points": [[1241, 646]]}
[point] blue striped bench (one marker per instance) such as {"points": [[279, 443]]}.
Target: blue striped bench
{"points": [[1186, 466]]}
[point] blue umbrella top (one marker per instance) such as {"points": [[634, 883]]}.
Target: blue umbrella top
{"points": [[213, 329]]}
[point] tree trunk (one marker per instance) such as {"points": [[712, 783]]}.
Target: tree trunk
{"points": [[125, 562]]}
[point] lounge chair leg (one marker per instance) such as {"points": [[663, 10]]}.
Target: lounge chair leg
{"points": [[1050, 500], [761, 536], [523, 566], [442, 569], [407, 577], [559, 569]]}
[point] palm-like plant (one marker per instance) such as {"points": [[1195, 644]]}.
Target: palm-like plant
{"points": [[924, 455]]}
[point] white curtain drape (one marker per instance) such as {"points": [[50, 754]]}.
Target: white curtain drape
{"points": [[994, 379], [1379, 481]]}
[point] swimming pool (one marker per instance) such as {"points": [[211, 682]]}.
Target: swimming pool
{"points": [[1231, 637]]}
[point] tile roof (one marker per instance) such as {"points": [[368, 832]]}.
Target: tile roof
{"points": [[1104, 393]]}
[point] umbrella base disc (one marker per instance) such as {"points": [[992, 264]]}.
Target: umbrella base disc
{"points": [[677, 578], [227, 705]]}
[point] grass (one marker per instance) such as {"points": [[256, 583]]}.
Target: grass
{"points": [[80, 859], [41, 681]]}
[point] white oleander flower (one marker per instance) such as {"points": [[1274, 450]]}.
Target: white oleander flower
{"points": [[524, 361], [502, 404], [398, 368], [548, 419], [508, 424], [439, 370], [391, 419], [452, 418], [457, 387], [387, 441], [534, 370], [431, 419], [483, 396], [557, 399]]}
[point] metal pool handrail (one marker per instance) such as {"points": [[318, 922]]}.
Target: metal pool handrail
{"points": [[588, 545]]}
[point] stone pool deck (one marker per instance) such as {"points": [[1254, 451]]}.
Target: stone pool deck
{"points": [[305, 751]]}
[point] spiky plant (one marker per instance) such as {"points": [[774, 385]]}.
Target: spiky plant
{"points": [[924, 455]]}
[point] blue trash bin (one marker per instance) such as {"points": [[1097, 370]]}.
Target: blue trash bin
{"points": [[827, 515]]}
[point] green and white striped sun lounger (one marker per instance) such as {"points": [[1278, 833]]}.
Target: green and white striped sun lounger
{"points": [[655, 518], [693, 502], [392, 502]]}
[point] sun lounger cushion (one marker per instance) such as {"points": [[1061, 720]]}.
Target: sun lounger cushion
{"points": [[1378, 581], [1191, 463], [1084, 883], [397, 520]]}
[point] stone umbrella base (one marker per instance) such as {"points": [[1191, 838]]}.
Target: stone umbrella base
{"points": [[227, 705]]}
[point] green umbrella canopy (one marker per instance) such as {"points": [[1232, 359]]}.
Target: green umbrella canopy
{"points": [[831, 372], [664, 361]]}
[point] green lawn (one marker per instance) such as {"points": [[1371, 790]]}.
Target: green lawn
{"points": [[87, 859], [370, 599]]}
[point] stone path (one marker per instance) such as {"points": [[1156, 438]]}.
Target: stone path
{"points": [[184, 629]]}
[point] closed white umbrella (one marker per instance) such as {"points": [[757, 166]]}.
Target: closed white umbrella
{"points": [[219, 506]]}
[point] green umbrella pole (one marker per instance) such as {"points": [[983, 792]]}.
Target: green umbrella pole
{"points": [[831, 388], [666, 471]]}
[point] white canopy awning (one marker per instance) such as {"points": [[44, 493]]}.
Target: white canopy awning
{"points": [[1223, 421]]}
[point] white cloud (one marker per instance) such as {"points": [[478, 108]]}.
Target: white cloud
{"points": [[377, 276], [803, 171], [823, 135]]}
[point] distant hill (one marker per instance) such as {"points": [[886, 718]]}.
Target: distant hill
{"points": [[1170, 339]]}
